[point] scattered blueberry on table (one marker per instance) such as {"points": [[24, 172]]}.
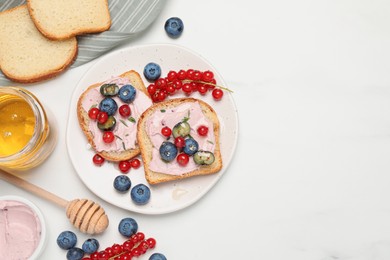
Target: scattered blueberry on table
{"points": [[66, 240], [127, 227], [174, 27]]}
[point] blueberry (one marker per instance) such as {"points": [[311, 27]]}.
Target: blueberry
{"points": [[157, 256], [122, 183], [127, 93], [91, 245], [67, 240], [168, 151], [191, 146], [127, 227], [174, 27], [108, 105], [75, 253], [152, 71], [140, 194]]}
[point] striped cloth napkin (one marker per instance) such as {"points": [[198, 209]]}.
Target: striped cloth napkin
{"points": [[128, 18]]}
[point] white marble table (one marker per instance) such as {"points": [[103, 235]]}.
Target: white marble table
{"points": [[310, 177]]}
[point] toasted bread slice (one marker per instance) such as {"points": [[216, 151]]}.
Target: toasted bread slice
{"points": [[146, 145], [59, 19], [26, 56], [135, 80]]}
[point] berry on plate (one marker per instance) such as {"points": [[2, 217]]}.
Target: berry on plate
{"points": [[152, 71], [122, 183], [140, 194]]}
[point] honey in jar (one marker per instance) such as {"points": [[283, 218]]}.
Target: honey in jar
{"points": [[26, 137]]}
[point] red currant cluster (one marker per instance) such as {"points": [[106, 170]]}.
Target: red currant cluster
{"points": [[135, 246], [188, 81], [102, 118], [124, 166]]}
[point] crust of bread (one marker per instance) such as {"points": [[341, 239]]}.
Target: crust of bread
{"points": [[84, 120], [82, 28], [146, 145], [8, 67]]}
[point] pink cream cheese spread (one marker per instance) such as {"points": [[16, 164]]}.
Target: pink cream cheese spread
{"points": [[126, 128], [170, 118], [20, 230]]}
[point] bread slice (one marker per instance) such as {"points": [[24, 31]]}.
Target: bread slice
{"points": [[59, 19], [84, 120], [26, 56], [146, 144]]}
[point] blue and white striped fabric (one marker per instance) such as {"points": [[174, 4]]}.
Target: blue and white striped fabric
{"points": [[129, 17]]}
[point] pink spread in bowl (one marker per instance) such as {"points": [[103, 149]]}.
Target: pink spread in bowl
{"points": [[22, 229]]}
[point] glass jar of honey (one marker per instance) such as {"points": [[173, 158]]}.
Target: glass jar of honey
{"points": [[27, 135]]}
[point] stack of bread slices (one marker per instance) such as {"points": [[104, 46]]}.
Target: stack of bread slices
{"points": [[38, 40]]}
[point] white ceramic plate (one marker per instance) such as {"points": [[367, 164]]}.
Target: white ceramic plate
{"points": [[165, 197]]}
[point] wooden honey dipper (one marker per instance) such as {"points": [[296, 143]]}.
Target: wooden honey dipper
{"points": [[86, 215]]}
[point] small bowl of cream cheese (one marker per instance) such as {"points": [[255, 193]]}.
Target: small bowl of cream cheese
{"points": [[22, 229]]}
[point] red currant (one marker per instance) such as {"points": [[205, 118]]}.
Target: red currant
{"points": [[94, 256], [103, 255], [212, 84], [202, 130], [194, 86], [197, 75], [152, 89], [183, 159], [126, 256], [128, 245], [93, 113], [124, 166], [117, 249], [180, 142], [140, 236], [151, 242], [202, 88], [108, 137], [177, 84], [182, 74], [143, 247], [135, 163], [135, 252], [172, 75], [155, 97], [98, 160], [161, 95], [190, 74], [166, 131], [102, 117], [217, 94], [207, 76], [124, 110], [170, 89], [187, 89], [161, 83], [108, 251]]}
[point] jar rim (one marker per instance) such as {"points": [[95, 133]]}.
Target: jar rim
{"points": [[39, 114]]}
